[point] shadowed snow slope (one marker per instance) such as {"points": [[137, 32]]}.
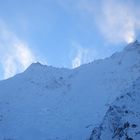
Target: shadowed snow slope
{"points": [[46, 103], [122, 120]]}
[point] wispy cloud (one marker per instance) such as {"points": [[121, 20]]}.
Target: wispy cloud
{"points": [[82, 55], [117, 20], [15, 55]]}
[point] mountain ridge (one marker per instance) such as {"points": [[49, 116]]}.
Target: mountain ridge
{"points": [[43, 102]]}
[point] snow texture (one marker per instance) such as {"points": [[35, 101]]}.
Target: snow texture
{"points": [[122, 120]]}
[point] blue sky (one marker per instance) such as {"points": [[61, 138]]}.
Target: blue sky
{"points": [[63, 33]]}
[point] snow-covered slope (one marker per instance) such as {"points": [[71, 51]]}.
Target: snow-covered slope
{"points": [[122, 120], [46, 103]]}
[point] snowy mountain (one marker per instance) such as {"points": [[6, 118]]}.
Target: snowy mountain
{"points": [[122, 120], [47, 103]]}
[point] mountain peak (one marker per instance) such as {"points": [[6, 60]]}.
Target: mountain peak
{"points": [[136, 42], [36, 66], [133, 45]]}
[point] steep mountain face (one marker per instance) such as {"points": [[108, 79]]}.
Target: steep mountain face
{"points": [[46, 103], [122, 120]]}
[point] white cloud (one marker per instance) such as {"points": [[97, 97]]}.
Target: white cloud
{"points": [[15, 55], [82, 55], [24, 54], [117, 20], [9, 66]]}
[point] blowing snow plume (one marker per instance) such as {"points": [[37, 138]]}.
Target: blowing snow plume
{"points": [[82, 55], [117, 20], [15, 55]]}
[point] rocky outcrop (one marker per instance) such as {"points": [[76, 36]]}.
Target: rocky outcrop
{"points": [[122, 120]]}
